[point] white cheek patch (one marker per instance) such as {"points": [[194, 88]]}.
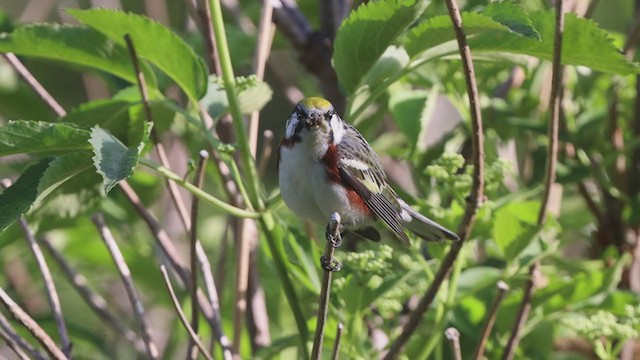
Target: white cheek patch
{"points": [[338, 128], [291, 126]]}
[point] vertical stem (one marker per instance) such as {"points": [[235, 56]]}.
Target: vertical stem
{"points": [[197, 182], [329, 264], [453, 335], [474, 200], [490, 320], [336, 344], [552, 158]]}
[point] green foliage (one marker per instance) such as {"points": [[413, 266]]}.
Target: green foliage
{"points": [[397, 62], [73, 45], [367, 32], [166, 51]]}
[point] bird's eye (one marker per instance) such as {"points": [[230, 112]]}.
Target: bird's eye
{"points": [[329, 114]]}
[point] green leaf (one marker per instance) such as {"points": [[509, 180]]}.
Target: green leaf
{"points": [[515, 227], [42, 138], [37, 182], [154, 42], [513, 16], [412, 110], [581, 38], [77, 45], [438, 30], [367, 32], [113, 160]]}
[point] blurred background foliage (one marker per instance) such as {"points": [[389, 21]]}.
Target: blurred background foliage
{"points": [[586, 303]]}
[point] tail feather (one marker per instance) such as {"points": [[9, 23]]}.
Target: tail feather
{"points": [[423, 226]]}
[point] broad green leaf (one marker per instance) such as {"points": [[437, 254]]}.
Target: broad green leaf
{"points": [[487, 34], [513, 16], [42, 138], [367, 32], [515, 227], [77, 45], [438, 30], [393, 60], [154, 42], [412, 110], [37, 182], [113, 160]]}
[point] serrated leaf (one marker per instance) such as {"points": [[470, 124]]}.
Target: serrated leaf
{"points": [[438, 30], [76, 45], [367, 32], [112, 159], [513, 16], [42, 138], [581, 37], [37, 182], [154, 42]]}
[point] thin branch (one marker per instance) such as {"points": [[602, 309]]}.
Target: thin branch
{"points": [[329, 264], [475, 199], [267, 150], [552, 158], [453, 335], [34, 84], [49, 286], [183, 318], [197, 182], [336, 344], [490, 319], [125, 274], [17, 342], [204, 9], [94, 300], [31, 325]]}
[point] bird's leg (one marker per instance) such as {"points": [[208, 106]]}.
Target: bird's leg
{"points": [[334, 237]]}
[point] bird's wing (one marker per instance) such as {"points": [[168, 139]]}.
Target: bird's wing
{"points": [[360, 169]]}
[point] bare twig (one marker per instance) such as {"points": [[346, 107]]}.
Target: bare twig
{"points": [[49, 286], [475, 199], [336, 344], [17, 342], [197, 181], [183, 318], [125, 274], [453, 335], [209, 306], [490, 319], [204, 9], [31, 325], [267, 150], [34, 84], [329, 264], [552, 158], [94, 300]]}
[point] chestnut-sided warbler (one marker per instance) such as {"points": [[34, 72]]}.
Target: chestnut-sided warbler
{"points": [[326, 166]]}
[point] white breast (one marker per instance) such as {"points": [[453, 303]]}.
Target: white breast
{"points": [[308, 193]]}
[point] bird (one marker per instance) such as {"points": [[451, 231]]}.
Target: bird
{"points": [[325, 165]]}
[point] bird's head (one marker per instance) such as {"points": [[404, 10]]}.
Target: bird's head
{"points": [[312, 117]]}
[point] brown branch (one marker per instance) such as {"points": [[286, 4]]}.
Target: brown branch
{"points": [[490, 319], [94, 300], [475, 199], [16, 342], [193, 335], [31, 325], [204, 9], [329, 264], [125, 274], [34, 84], [453, 335], [332, 12], [197, 182], [267, 150], [49, 286], [552, 159], [336, 344]]}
